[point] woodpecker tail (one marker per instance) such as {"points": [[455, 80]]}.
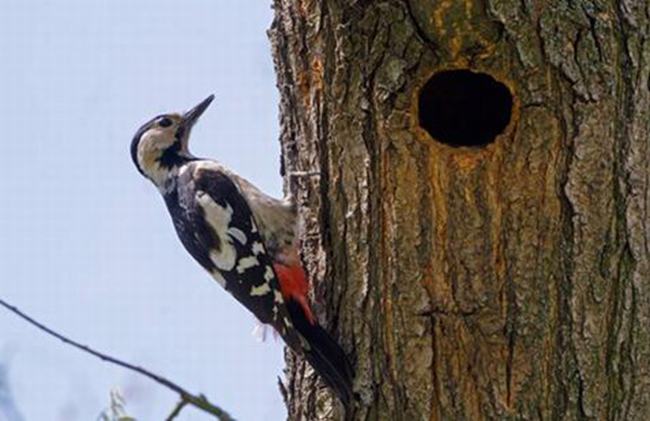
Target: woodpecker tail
{"points": [[325, 355]]}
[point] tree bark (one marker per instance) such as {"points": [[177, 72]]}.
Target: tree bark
{"points": [[508, 281]]}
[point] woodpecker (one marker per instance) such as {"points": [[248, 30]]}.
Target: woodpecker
{"points": [[244, 238]]}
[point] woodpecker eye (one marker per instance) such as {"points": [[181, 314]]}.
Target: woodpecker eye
{"points": [[164, 122]]}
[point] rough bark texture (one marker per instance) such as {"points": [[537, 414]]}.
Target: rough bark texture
{"points": [[504, 282]]}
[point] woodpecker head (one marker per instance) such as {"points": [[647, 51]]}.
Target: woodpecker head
{"points": [[160, 145]]}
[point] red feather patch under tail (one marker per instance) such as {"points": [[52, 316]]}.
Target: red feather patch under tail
{"points": [[294, 286]]}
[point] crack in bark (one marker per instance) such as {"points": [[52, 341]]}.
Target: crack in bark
{"points": [[510, 331]]}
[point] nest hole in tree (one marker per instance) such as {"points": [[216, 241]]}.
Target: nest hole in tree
{"points": [[464, 108]]}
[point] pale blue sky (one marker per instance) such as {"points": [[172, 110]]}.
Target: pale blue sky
{"points": [[87, 245]]}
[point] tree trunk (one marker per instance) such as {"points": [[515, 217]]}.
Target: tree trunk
{"points": [[506, 278]]}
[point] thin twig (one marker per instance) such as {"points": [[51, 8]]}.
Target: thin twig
{"points": [[177, 410], [199, 401]]}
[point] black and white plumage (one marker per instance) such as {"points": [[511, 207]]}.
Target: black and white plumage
{"points": [[245, 239]]}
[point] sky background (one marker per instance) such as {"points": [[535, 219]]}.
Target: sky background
{"points": [[87, 246]]}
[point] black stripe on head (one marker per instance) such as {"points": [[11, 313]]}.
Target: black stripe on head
{"points": [[136, 141], [170, 158]]}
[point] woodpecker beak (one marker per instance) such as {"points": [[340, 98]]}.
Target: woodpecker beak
{"points": [[190, 117]]}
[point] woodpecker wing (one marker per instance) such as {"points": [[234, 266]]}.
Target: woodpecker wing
{"points": [[224, 237]]}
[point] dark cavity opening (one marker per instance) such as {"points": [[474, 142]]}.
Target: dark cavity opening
{"points": [[463, 108]]}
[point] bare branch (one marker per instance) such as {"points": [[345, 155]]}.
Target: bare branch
{"points": [[199, 401]]}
